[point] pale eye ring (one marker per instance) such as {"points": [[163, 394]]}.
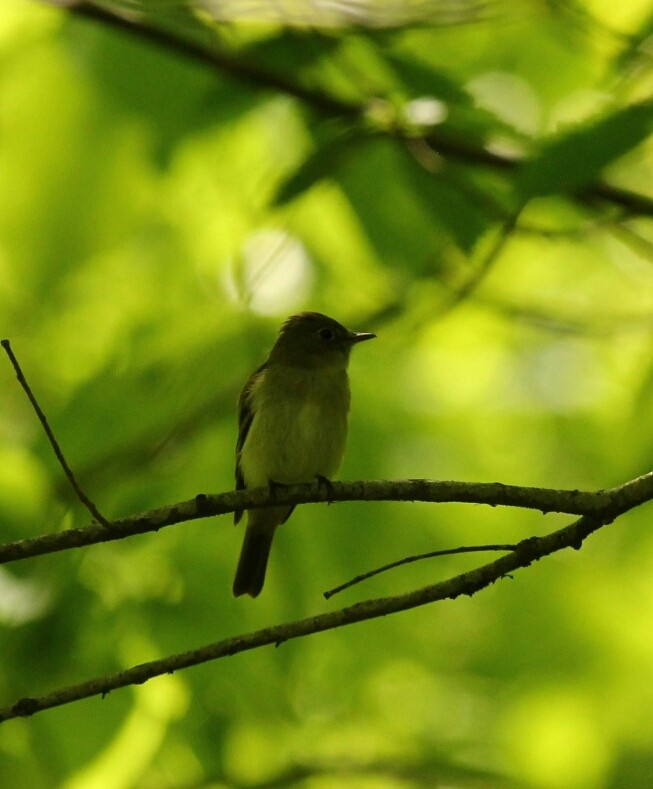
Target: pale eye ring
{"points": [[326, 334]]}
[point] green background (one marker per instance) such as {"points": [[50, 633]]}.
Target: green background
{"points": [[159, 217]]}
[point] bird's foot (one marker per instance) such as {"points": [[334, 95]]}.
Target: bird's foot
{"points": [[274, 486], [325, 482]]}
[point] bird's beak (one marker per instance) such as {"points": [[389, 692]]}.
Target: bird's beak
{"points": [[360, 336]]}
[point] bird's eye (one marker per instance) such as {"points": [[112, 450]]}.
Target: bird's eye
{"points": [[326, 334]]}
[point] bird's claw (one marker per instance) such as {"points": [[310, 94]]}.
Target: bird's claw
{"points": [[325, 482], [275, 486]]}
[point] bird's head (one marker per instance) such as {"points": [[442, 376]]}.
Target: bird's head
{"points": [[311, 339]]}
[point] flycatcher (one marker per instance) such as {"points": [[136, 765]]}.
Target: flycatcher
{"points": [[292, 417]]}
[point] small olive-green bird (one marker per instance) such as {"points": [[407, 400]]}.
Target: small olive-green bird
{"points": [[292, 418]]}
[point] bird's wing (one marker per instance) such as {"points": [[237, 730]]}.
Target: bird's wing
{"points": [[245, 419]]}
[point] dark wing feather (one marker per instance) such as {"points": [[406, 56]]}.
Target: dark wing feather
{"points": [[245, 419], [290, 512]]}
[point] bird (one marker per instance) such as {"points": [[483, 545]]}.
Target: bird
{"points": [[292, 419]]}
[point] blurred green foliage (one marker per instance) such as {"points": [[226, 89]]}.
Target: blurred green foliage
{"points": [[160, 215]]}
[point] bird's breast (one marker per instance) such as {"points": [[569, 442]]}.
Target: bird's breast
{"points": [[299, 428]]}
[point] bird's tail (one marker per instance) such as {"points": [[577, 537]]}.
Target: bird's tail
{"points": [[253, 561]]}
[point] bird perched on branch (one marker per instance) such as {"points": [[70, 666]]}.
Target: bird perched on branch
{"points": [[292, 417]]}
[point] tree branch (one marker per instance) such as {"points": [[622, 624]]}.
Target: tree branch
{"points": [[326, 103], [600, 508], [595, 508], [236, 67], [604, 504], [527, 552]]}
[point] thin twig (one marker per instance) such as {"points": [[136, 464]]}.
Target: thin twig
{"points": [[416, 558], [53, 441]]}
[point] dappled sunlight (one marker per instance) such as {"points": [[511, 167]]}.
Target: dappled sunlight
{"points": [[413, 703], [21, 600], [581, 105], [252, 753], [627, 17], [118, 577], [452, 370], [554, 738], [128, 754], [160, 216], [24, 484], [272, 274], [510, 97]]}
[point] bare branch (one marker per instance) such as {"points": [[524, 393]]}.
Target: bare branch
{"points": [[606, 504], [600, 507], [210, 55], [416, 558], [528, 551], [53, 441]]}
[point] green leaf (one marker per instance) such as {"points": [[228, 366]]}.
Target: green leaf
{"points": [[293, 51], [571, 162], [321, 163], [422, 79]]}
